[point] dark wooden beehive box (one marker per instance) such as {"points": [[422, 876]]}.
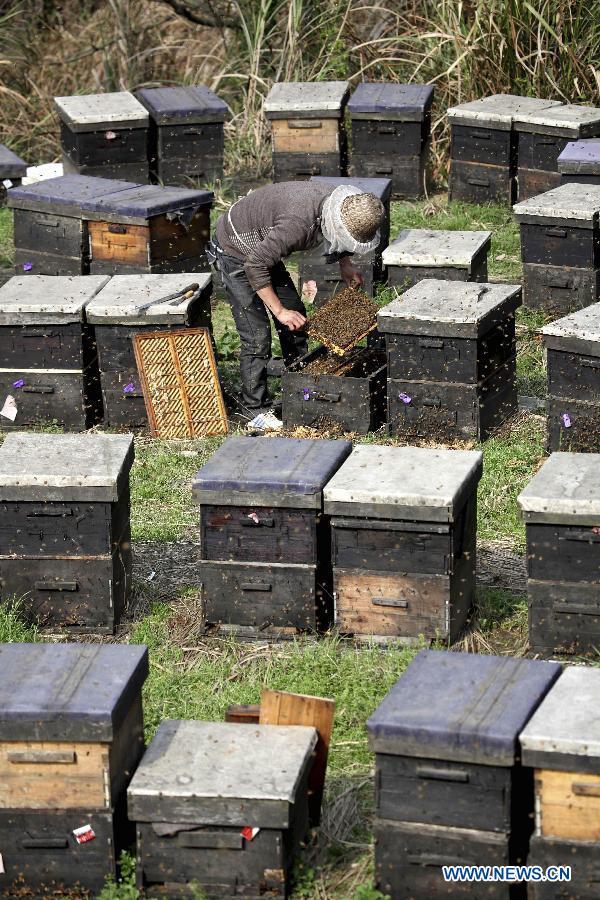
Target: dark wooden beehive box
{"points": [[265, 543], [148, 229], [391, 124], [215, 780], [71, 736], [66, 540], [561, 508], [50, 235], [314, 265], [12, 170], [186, 136], [573, 369], [105, 135], [542, 136], [484, 147], [447, 762], [307, 124], [115, 316], [560, 247], [50, 364], [451, 359], [403, 541], [450, 255], [580, 162], [583, 859]]}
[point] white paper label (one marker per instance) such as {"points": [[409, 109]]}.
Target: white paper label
{"points": [[84, 834], [7, 183], [9, 410], [1, 865]]}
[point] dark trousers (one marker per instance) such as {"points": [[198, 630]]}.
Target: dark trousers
{"points": [[254, 327]]}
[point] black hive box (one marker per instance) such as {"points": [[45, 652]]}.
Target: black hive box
{"points": [[265, 543], [580, 162], [71, 736], [115, 316], [186, 133], [452, 255], [450, 788], [390, 134], [12, 170], [105, 135], [66, 539], [451, 359]]}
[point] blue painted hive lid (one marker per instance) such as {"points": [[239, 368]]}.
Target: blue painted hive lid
{"points": [[183, 104], [381, 187], [11, 165], [580, 158], [144, 201], [399, 102], [264, 471], [64, 195], [460, 706], [62, 692]]}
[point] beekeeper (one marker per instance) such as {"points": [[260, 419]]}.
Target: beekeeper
{"points": [[249, 246]]}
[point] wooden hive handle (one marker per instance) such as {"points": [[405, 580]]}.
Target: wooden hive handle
{"points": [[43, 757], [585, 789]]}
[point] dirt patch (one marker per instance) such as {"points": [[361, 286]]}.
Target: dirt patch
{"points": [[344, 320]]}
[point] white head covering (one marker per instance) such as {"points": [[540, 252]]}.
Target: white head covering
{"points": [[333, 228]]}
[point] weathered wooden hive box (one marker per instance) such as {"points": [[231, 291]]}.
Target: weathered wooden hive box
{"points": [[148, 229], [450, 786], [451, 358], [573, 369], [186, 136], [484, 147], [265, 543], [307, 123], [105, 135], [49, 360], [12, 170], [403, 541], [51, 237], [313, 264], [542, 136], [562, 743], [66, 538], [561, 508], [222, 805], [391, 124], [71, 736], [560, 247], [451, 255], [116, 317], [580, 162]]}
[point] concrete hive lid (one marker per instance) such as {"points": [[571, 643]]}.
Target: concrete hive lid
{"points": [[40, 299], [565, 490], [578, 332], [580, 158], [566, 120], [117, 303], [306, 99], [92, 112], [424, 247], [577, 203], [497, 111]]}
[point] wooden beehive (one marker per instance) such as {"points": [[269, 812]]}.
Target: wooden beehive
{"points": [[448, 775], [115, 316], [265, 543], [561, 508], [238, 794], [105, 135], [66, 548], [148, 229], [307, 126], [403, 541], [451, 255], [451, 358], [71, 736], [580, 162], [560, 247], [12, 170], [186, 136], [49, 356], [542, 136], [391, 124]]}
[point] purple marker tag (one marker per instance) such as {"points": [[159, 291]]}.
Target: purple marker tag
{"points": [[18, 383], [566, 420], [27, 267], [306, 393], [129, 388], [404, 397]]}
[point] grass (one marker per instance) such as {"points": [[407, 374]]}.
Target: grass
{"points": [[6, 238]]}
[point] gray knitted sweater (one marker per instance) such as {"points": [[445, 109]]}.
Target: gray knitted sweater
{"points": [[273, 222]]}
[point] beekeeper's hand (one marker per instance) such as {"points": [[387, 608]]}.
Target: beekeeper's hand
{"points": [[294, 320], [350, 273]]}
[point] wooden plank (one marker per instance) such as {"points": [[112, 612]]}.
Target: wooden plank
{"points": [[48, 775], [128, 246], [282, 708], [243, 713], [568, 805], [305, 135]]}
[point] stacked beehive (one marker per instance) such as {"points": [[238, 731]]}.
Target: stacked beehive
{"points": [[66, 537], [484, 147], [542, 135], [562, 742], [49, 359], [391, 124], [450, 787], [403, 541], [186, 136], [448, 255], [560, 247], [451, 353], [105, 135], [12, 170], [580, 162], [561, 508], [115, 316], [71, 736], [308, 134], [204, 790]]}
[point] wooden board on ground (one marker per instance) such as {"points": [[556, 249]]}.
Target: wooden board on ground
{"points": [[344, 320], [180, 383], [243, 713]]}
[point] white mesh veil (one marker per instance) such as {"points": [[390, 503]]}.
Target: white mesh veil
{"points": [[333, 228]]}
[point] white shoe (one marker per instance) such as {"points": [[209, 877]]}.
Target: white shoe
{"points": [[265, 422]]}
